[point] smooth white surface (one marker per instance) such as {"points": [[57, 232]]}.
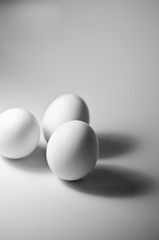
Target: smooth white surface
{"points": [[19, 133], [72, 150], [62, 109], [107, 52]]}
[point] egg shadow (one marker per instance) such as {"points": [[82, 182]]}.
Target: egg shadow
{"points": [[113, 182], [35, 162], [113, 145]]}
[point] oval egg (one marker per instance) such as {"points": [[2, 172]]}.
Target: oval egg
{"points": [[64, 108], [72, 150], [19, 133]]}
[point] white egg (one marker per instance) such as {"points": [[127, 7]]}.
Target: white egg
{"points": [[72, 150], [64, 108], [19, 133]]}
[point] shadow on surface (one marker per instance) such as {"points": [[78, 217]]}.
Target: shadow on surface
{"points": [[35, 162], [113, 182], [112, 145]]}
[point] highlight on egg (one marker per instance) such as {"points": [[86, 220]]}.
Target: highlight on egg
{"points": [[19, 133], [65, 108], [72, 150]]}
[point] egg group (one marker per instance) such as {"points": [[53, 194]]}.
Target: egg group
{"points": [[19, 133], [63, 109], [72, 150], [72, 145]]}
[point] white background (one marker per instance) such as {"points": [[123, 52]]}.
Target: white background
{"points": [[108, 53]]}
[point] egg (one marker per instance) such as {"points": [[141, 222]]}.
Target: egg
{"points": [[19, 133], [72, 150], [64, 108]]}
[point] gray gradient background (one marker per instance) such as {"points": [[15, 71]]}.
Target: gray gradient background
{"points": [[108, 53]]}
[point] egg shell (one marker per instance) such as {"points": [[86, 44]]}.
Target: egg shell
{"points": [[64, 108], [19, 133], [72, 150]]}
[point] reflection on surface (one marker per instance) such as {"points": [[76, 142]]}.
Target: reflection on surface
{"points": [[113, 145], [113, 182], [35, 162]]}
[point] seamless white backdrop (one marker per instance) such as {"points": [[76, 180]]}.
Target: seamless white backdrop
{"points": [[107, 52]]}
